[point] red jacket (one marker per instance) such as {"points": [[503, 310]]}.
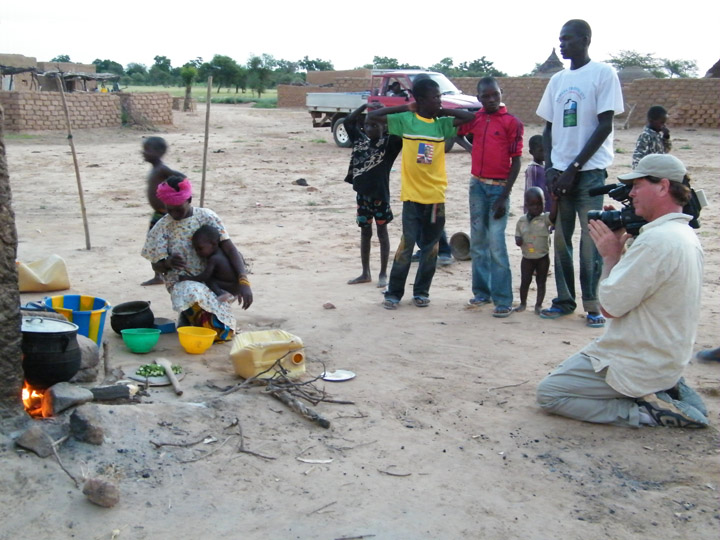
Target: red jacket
{"points": [[497, 138]]}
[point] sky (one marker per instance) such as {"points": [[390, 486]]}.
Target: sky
{"points": [[350, 34]]}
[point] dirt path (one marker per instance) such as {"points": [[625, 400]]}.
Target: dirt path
{"points": [[444, 440]]}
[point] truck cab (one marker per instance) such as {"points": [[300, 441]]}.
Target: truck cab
{"points": [[395, 88]]}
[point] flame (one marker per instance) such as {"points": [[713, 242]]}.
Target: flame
{"points": [[32, 399]]}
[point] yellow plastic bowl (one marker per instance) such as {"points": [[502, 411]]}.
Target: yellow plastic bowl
{"points": [[195, 339]]}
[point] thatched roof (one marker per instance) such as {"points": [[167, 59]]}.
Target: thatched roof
{"points": [[714, 72], [81, 75], [551, 66], [631, 73]]}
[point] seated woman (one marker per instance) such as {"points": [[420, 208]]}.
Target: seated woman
{"points": [[169, 249]]}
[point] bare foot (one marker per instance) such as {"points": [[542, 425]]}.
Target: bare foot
{"points": [[520, 308], [360, 279], [382, 282], [157, 280]]}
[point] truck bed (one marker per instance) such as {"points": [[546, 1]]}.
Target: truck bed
{"points": [[335, 101]]}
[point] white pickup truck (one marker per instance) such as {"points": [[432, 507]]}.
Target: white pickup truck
{"points": [[389, 88]]}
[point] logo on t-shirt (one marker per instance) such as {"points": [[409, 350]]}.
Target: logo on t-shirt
{"points": [[425, 153], [570, 113]]}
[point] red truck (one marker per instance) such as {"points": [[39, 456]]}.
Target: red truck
{"points": [[389, 88]]}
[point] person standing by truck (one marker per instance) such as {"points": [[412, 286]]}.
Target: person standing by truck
{"points": [[423, 125], [373, 155]]}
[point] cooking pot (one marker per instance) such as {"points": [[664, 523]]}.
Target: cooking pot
{"points": [[51, 353], [132, 315]]}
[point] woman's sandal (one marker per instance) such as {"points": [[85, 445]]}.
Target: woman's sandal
{"points": [[421, 301]]}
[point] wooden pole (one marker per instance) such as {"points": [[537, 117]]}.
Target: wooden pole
{"points": [[75, 162], [207, 129]]}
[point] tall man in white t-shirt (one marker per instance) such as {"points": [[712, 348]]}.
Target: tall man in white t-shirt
{"points": [[578, 106], [631, 375]]}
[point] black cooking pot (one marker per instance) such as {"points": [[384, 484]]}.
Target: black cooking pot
{"points": [[51, 353], [132, 315]]}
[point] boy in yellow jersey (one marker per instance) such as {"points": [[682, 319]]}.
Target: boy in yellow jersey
{"points": [[423, 125]]}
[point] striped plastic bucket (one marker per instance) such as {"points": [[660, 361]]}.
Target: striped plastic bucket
{"points": [[88, 312]]}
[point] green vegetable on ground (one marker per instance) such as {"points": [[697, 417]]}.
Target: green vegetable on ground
{"points": [[154, 370]]}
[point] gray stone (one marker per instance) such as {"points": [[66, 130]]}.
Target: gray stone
{"points": [[62, 396], [89, 360], [85, 424], [36, 440], [101, 492]]}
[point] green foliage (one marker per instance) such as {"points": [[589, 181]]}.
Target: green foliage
{"points": [[481, 67], [61, 58], [259, 72], [315, 65], [108, 66], [223, 69], [659, 67], [384, 62], [188, 73]]}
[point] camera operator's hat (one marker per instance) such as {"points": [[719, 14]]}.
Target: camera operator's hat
{"points": [[659, 166]]}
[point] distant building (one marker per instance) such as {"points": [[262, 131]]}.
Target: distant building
{"points": [[714, 72], [632, 73], [550, 67]]}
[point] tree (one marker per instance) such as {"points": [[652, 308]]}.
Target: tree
{"points": [[241, 79], [315, 65], [444, 66], [61, 58], [188, 73], [679, 68], [108, 66], [160, 71], [627, 58], [135, 74], [223, 70], [259, 71], [481, 67]]}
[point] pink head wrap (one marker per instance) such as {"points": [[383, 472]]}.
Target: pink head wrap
{"points": [[170, 196]]}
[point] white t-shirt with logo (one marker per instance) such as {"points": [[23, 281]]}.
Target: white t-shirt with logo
{"points": [[572, 101]]}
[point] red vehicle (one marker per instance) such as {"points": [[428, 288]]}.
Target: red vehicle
{"points": [[390, 88]]}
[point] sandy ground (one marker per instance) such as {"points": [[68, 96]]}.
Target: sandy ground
{"points": [[444, 439]]}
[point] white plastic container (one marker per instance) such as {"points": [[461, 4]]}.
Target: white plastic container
{"points": [[253, 353]]}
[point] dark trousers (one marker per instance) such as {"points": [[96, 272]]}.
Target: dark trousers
{"points": [[423, 225]]}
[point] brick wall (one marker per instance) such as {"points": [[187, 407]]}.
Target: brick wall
{"points": [[32, 111], [690, 102], [328, 77]]}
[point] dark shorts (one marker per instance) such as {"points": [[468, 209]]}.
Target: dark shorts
{"points": [[369, 209], [157, 216]]}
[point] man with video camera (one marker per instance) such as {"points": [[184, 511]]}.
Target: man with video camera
{"points": [[651, 295]]}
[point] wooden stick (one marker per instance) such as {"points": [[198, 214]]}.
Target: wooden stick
{"points": [[75, 162], [207, 128], [508, 385], [295, 405]]}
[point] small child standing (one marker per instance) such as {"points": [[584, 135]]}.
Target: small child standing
{"points": [[373, 155], [153, 149], [219, 274], [532, 234], [655, 138], [535, 172]]}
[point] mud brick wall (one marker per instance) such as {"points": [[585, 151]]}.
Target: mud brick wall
{"points": [[317, 78], [37, 111], [689, 102], [148, 108], [33, 111]]}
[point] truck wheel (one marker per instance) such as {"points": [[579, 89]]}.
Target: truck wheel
{"points": [[449, 143], [342, 139]]}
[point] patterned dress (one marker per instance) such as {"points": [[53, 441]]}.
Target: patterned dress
{"points": [[191, 298]]}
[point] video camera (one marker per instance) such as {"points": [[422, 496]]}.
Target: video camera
{"points": [[626, 216]]}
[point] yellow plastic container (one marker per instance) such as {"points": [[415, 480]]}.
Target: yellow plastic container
{"points": [[255, 352]]}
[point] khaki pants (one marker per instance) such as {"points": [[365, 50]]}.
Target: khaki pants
{"points": [[574, 389]]}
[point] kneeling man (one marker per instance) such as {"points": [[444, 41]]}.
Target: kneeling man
{"points": [[632, 375]]}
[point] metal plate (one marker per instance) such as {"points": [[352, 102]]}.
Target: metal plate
{"points": [[338, 375]]}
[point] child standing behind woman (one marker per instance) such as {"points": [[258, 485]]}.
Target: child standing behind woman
{"points": [[373, 155], [532, 234]]}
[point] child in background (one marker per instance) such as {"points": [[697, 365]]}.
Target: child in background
{"points": [[373, 155], [532, 234], [219, 274], [535, 172], [655, 138], [153, 149]]}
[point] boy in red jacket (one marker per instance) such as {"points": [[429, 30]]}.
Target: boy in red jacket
{"points": [[497, 147]]}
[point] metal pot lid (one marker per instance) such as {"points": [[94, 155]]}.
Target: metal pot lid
{"points": [[44, 325]]}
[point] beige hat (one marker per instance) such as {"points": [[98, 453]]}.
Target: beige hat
{"points": [[659, 166]]}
